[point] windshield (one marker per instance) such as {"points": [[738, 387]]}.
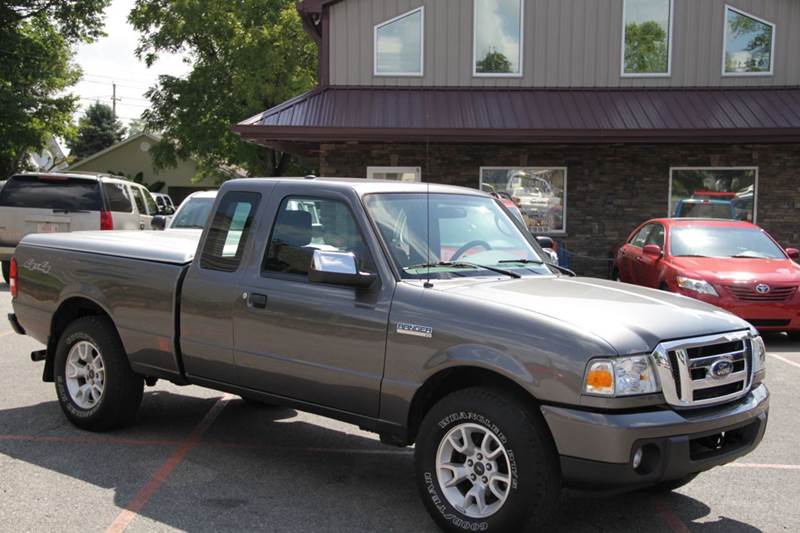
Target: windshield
{"points": [[193, 214], [723, 242], [469, 236]]}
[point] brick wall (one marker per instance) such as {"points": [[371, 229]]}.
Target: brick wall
{"points": [[610, 188]]}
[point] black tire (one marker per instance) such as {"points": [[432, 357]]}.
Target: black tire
{"points": [[122, 389], [615, 275], [669, 486], [532, 461], [6, 271]]}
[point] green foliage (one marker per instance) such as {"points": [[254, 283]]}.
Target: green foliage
{"points": [[646, 48], [36, 72], [247, 56], [97, 130], [136, 126], [494, 62], [156, 186]]}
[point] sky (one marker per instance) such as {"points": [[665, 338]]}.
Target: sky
{"points": [[112, 59]]}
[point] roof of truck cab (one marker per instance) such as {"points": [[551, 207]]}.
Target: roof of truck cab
{"points": [[364, 186]]}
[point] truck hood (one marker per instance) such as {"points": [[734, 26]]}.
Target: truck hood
{"points": [[631, 319]]}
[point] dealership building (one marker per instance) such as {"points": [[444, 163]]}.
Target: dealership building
{"points": [[593, 115]]}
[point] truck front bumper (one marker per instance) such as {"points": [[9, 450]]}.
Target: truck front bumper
{"points": [[597, 449]]}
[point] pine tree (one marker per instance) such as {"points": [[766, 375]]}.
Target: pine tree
{"points": [[97, 129]]}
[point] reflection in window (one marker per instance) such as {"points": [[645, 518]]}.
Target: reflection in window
{"points": [[408, 174], [398, 45], [498, 37], [647, 36], [725, 193], [748, 44], [538, 192]]}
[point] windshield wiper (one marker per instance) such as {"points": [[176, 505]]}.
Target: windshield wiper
{"points": [[463, 264], [564, 270]]}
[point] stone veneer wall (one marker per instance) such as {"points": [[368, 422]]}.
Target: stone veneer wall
{"points": [[610, 188]]}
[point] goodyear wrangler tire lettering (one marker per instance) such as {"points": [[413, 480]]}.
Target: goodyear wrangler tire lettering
{"points": [[486, 462]]}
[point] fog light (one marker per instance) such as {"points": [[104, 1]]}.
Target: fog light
{"points": [[637, 458]]}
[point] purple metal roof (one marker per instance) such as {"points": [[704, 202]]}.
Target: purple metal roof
{"points": [[385, 114]]}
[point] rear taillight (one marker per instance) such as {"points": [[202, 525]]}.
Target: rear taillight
{"points": [[12, 278], [106, 220]]}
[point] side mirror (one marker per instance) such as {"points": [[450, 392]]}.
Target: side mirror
{"points": [[793, 253], [545, 242], [338, 268], [652, 250], [158, 222]]}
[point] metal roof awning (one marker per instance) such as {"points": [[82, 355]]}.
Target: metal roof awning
{"points": [[508, 115]]}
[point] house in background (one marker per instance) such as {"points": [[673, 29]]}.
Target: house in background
{"points": [[132, 156], [593, 114]]}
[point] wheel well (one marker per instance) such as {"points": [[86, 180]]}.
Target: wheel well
{"points": [[69, 311], [452, 379]]}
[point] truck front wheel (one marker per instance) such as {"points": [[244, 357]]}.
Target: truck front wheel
{"points": [[95, 385], [486, 462]]}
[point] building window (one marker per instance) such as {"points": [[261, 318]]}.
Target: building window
{"points": [[410, 174], [540, 193], [749, 44], [399, 45], [727, 193], [497, 46], [647, 37]]}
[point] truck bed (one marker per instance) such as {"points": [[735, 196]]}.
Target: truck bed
{"points": [[175, 247]]}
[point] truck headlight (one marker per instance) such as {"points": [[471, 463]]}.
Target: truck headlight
{"points": [[621, 376], [759, 359], [696, 285]]}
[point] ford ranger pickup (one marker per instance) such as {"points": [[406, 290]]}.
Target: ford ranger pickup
{"points": [[423, 313]]}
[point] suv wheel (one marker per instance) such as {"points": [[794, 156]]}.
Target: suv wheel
{"points": [[6, 271], [484, 462], [95, 385]]}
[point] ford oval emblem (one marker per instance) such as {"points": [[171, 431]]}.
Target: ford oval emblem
{"points": [[722, 369], [762, 288]]}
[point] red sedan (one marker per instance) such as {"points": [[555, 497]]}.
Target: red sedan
{"points": [[734, 265]]}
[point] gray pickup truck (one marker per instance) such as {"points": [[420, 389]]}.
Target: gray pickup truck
{"points": [[423, 313]]}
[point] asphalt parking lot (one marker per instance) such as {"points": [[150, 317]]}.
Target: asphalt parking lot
{"points": [[201, 461]]}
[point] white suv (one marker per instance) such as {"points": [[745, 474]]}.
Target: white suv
{"points": [[69, 201]]}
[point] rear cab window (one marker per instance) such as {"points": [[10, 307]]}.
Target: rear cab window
{"points": [[59, 193], [229, 231]]}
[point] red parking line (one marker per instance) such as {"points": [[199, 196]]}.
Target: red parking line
{"points": [[124, 518], [672, 520]]}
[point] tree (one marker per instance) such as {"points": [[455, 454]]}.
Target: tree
{"points": [[137, 125], [646, 48], [247, 56], [98, 129], [494, 62], [36, 72]]}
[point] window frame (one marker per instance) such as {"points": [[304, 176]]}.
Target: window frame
{"points": [[377, 27], [755, 185], [301, 278], [475, 73], [670, 42], [563, 230], [744, 13], [415, 170]]}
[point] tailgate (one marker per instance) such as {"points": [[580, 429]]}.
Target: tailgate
{"points": [[17, 222]]}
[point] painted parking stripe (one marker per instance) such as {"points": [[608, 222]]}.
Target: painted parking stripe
{"points": [[672, 520], [764, 466], [130, 512], [785, 360]]}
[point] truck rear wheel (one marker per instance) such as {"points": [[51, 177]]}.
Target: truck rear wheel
{"points": [[95, 385], [485, 462]]}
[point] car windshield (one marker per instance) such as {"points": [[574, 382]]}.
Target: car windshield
{"points": [[469, 236], [720, 241], [193, 214]]}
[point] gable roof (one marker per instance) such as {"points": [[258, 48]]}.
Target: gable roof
{"points": [[417, 114], [152, 136]]}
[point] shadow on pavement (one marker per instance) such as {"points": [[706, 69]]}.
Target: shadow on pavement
{"points": [[270, 468]]}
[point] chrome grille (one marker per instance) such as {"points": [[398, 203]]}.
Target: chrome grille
{"points": [[748, 293], [705, 370]]}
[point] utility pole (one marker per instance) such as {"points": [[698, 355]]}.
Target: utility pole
{"points": [[114, 99]]}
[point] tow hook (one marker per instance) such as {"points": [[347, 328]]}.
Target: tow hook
{"points": [[38, 355]]}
